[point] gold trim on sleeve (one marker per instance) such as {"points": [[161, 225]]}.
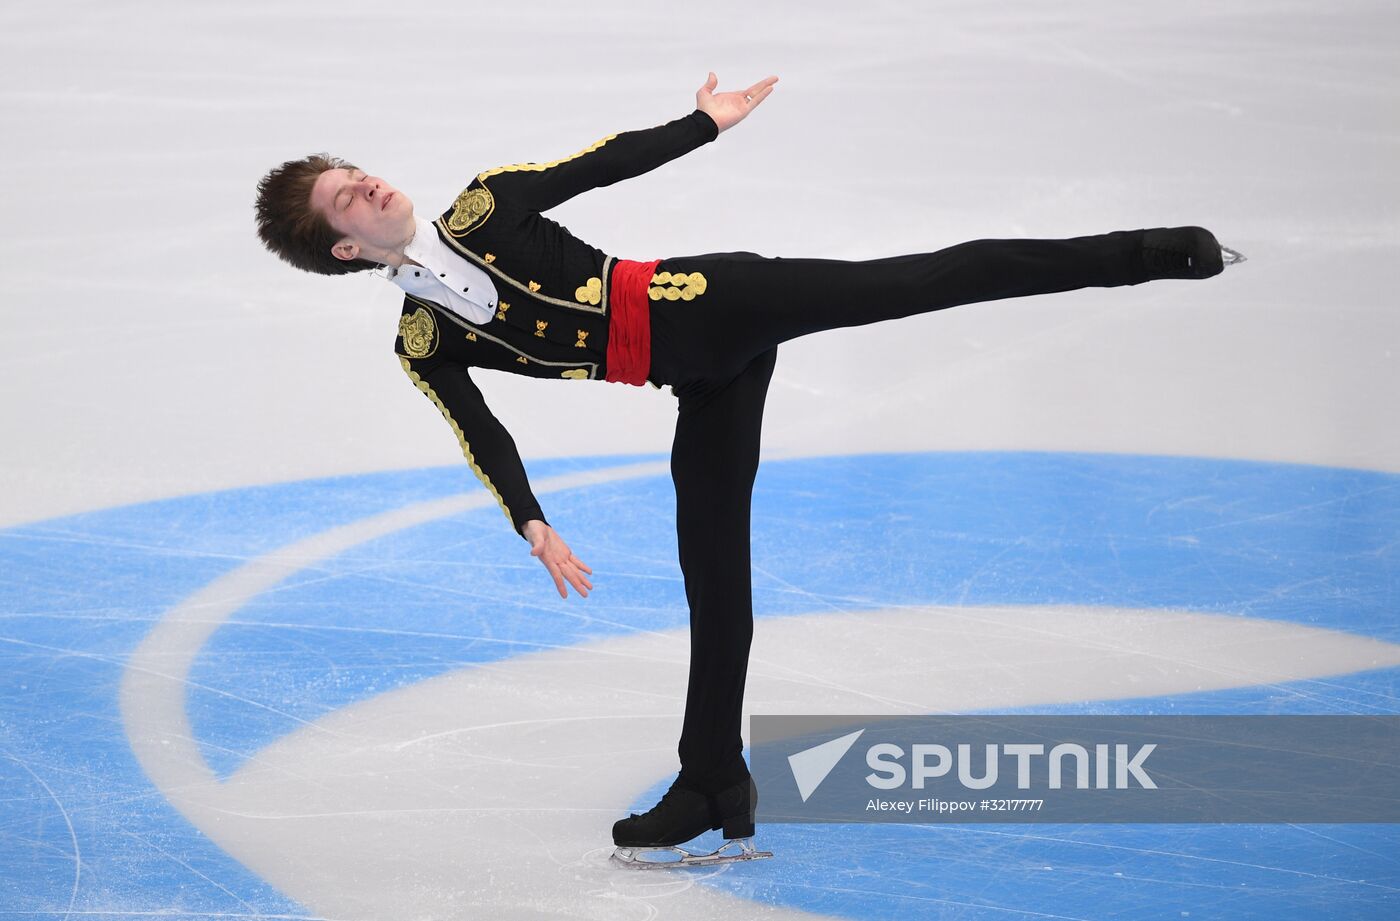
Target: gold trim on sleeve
{"points": [[461, 436], [541, 167]]}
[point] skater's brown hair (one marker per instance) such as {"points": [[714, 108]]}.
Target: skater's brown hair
{"points": [[291, 228]]}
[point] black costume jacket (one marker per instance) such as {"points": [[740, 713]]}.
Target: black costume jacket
{"points": [[552, 289]]}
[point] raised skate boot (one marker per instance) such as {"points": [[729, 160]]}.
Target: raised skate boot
{"points": [[649, 841], [1184, 252]]}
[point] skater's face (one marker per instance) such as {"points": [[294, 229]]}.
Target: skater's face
{"points": [[375, 219]]}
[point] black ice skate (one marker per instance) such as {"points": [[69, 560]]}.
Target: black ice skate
{"points": [[650, 840], [1185, 252]]}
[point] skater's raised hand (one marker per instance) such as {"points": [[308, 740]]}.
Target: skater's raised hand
{"points": [[549, 547], [728, 109]]}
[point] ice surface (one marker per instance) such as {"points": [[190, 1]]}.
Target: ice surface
{"points": [[152, 350]]}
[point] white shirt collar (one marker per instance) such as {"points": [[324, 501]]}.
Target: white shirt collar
{"points": [[443, 277], [424, 244], [421, 248]]}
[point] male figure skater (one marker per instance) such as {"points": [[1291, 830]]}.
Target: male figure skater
{"points": [[492, 283]]}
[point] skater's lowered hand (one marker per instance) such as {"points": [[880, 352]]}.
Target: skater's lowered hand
{"points": [[563, 566], [728, 109]]}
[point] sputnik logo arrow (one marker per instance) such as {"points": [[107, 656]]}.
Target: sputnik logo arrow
{"points": [[810, 766]]}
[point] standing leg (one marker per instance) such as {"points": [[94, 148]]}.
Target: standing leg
{"points": [[714, 460]]}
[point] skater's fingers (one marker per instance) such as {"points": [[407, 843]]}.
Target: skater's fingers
{"points": [[580, 564], [577, 579], [581, 586], [558, 578], [761, 86]]}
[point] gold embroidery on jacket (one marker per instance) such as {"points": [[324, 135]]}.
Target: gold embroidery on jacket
{"points": [[490, 258], [534, 286], [677, 286], [470, 210], [471, 337], [541, 167], [475, 333], [582, 335], [419, 334], [600, 308], [456, 430], [576, 374], [590, 293], [540, 327], [501, 308]]}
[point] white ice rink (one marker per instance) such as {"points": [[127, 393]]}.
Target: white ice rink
{"points": [[258, 698]]}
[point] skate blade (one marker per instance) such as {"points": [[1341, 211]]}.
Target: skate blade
{"points": [[669, 858], [1232, 256]]}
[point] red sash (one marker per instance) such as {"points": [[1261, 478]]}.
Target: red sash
{"points": [[629, 328]]}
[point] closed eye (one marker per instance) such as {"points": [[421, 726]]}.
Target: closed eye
{"points": [[346, 196]]}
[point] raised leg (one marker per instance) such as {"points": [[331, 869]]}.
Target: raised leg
{"points": [[751, 303]]}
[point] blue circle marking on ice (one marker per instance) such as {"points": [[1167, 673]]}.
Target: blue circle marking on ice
{"points": [[1276, 542]]}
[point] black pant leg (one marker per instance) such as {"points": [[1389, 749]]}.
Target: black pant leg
{"points": [[714, 460], [751, 303]]}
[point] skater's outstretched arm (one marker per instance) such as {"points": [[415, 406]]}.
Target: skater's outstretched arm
{"points": [[487, 445], [541, 186], [491, 452]]}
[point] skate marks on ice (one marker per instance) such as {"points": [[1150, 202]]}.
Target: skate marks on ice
{"points": [[490, 791], [672, 857]]}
